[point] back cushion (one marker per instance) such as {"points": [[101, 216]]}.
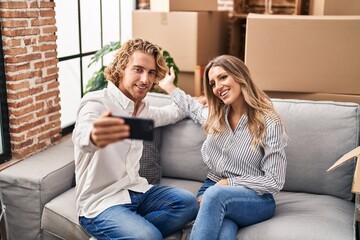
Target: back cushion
{"points": [[319, 134], [180, 155], [180, 151]]}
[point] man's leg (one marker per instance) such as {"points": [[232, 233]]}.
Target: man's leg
{"points": [[168, 208], [120, 222]]}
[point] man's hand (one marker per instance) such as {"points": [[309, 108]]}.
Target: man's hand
{"points": [[167, 83], [108, 129], [202, 100]]}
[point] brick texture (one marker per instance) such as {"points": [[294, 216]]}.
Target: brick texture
{"points": [[29, 44]]}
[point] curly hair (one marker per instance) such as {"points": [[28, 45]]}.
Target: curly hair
{"points": [[113, 72], [258, 103]]}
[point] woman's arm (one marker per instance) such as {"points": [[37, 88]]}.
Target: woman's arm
{"points": [[188, 104]]}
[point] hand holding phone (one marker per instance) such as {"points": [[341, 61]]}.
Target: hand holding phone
{"points": [[140, 128], [106, 130]]}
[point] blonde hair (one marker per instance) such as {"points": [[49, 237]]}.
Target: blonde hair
{"points": [[258, 104], [113, 72]]}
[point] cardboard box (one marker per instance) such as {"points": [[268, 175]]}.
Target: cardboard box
{"points": [[192, 38], [187, 82], [334, 7], [348, 156], [296, 53], [183, 5], [237, 28], [315, 96]]}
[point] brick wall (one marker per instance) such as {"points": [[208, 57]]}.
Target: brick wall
{"points": [[29, 44]]}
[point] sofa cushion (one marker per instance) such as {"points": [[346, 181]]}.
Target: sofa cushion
{"points": [[180, 151], [305, 216], [190, 185], [55, 215], [319, 133], [150, 162], [175, 162]]}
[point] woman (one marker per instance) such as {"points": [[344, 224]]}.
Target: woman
{"points": [[244, 149]]}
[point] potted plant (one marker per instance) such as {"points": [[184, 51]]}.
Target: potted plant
{"points": [[98, 81]]}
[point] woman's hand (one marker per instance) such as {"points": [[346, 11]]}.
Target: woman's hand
{"points": [[108, 129], [224, 181], [199, 200], [167, 83]]}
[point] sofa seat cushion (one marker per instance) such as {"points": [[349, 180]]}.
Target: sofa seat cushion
{"points": [[60, 219], [300, 216], [59, 216], [190, 185]]}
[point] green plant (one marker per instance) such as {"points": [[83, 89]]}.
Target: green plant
{"points": [[98, 81]]}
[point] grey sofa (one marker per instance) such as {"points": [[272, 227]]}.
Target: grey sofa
{"points": [[314, 204]]}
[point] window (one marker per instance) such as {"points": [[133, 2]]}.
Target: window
{"points": [[84, 26], [5, 150]]}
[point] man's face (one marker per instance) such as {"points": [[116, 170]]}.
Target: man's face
{"points": [[138, 76]]}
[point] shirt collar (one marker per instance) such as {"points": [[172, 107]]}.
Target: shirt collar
{"points": [[120, 97], [125, 102], [243, 119]]}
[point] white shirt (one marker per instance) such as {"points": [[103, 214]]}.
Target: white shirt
{"points": [[104, 175], [230, 155]]}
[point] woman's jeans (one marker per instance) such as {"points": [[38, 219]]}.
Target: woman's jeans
{"points": [[155, 214], [224, 209]]}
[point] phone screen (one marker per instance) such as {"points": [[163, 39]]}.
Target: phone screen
{"points": [[140, 128]]}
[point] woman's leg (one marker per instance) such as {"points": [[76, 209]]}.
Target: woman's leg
{"points": [[207, 183], [239, 204], [168, 208], [228, 230]]}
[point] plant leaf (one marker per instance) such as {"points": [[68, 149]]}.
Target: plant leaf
{"points": [[97, 81], [112, 46]]}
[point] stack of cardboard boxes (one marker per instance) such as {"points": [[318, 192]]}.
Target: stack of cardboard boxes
{"points": [[334, 7], [305, 57], [193, 32]]}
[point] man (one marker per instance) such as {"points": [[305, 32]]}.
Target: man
{"points": [[113, 201]]}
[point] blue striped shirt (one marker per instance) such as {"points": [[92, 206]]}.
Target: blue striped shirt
{"points": [[229, 154]]}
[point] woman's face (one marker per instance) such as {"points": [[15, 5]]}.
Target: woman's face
{"points": [[224, 86]]}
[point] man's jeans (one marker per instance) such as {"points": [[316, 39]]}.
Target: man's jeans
{"points": [[224, 209], [159, 212]]}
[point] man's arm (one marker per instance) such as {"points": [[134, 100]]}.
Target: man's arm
{"points": [[108, 129], [95, 128]]}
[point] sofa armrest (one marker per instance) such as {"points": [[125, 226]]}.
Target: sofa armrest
{"points": [[28, 185]]}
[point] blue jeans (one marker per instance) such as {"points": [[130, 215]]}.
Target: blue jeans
{"points": [[224, 209], [155, 214]]}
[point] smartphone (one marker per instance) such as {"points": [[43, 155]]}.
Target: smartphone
{"points": [[140, 128]]}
